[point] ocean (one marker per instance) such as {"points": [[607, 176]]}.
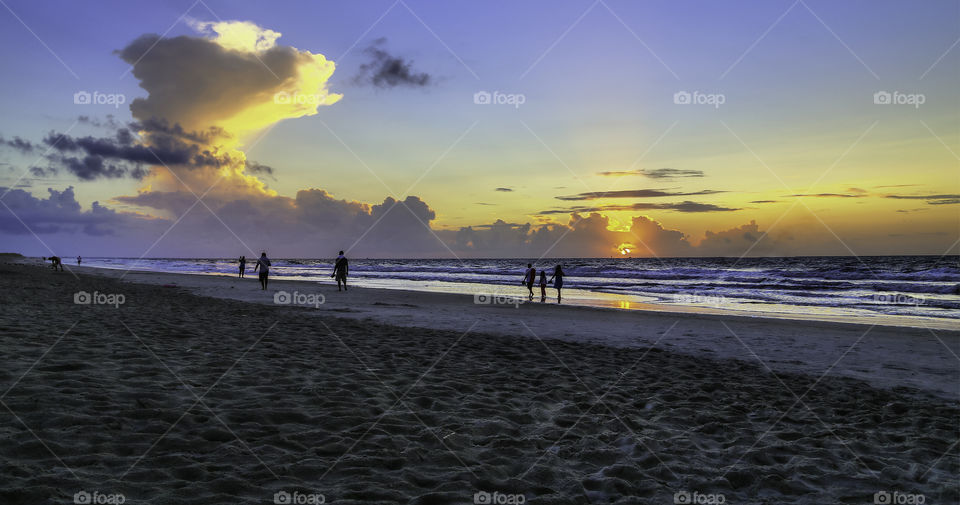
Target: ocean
{"points": [[907, 288]]}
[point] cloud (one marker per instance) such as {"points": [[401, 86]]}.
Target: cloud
{"points": [[827, 195], [18, 144], [61, 213], [765, 201], [388, 71], [503, 190], [944, 199], [685, 206], [633, 193], [659, 173]]}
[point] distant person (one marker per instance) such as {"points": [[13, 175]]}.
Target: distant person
{"points": [[529, 277], [543, 286], [340, 270], [56, 263], [263, 264], [79, 259], [557, 280], [243, 266]]}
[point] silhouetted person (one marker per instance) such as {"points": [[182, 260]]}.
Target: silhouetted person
{"points": [[243, 266], [543, 286], [557, 280], [55, 263], [529, 277], [263, 264], [79, 259], [340, 271]]}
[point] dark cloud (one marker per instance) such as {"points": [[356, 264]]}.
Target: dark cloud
{"points": [[260, 168], [388, 71], [828, 195], [504, 190], [18, 144], [685, 206], [60, 213], [658, 173], [765, 201], [633, 193], [945, 199]]}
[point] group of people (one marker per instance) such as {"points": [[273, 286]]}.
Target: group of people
{"points": [[530, 278], [340, 270]]}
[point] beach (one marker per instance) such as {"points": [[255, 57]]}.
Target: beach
{"points": [[181, 389]]}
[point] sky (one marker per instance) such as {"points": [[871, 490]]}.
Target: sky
{"points": [[402, 128]]}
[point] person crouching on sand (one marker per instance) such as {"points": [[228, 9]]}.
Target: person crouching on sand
{"points": [[557, 280], [543, 286], [263, 264], [340, 270], [55, 263], [529, 277]]}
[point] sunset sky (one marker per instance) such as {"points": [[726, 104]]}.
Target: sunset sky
{"points": [[302, 128]]}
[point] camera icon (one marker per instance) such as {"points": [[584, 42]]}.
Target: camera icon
{"points": [[282, 498], [82, 298], [482, 498], [481, 98], [81, 98], [882, 498], [682, 98], [281, 298], [281, 98], [81, 497], [482, 299], [682, 498], [882, 98]]}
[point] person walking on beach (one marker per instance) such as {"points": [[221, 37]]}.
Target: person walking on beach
{"points": [[243, 266], [340, 271], [79, 259], [529, 277], [557, 280], [263, 264], [543, 286]]}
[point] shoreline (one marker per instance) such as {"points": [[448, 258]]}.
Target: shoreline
{"points": [[172, 396], [884, 356]]}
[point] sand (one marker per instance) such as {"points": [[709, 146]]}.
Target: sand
{"points": [[172, 397]]}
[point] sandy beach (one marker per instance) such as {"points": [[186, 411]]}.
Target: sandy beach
{"points": [[182, 389]]}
